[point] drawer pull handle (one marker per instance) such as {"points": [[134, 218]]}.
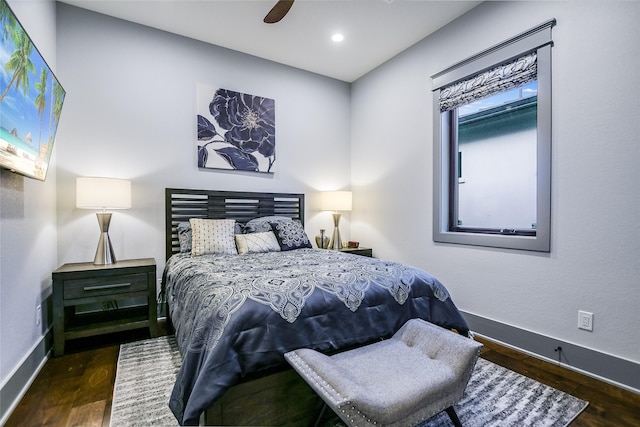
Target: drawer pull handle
{"points": [[100, 287]]}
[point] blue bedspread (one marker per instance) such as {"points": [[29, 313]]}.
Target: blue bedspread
{"points": [[238, 314]]}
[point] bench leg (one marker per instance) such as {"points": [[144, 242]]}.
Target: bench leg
{"points": [[454, 417], [321, 414]]}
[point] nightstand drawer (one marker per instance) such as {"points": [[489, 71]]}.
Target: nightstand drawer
{"points": [[358, 251], [95, 287]]}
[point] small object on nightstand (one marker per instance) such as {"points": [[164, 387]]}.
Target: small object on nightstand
{"points": [[86, 283], [322, 240], [353, 244]]}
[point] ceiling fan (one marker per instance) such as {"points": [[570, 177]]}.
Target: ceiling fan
{"points": [[278, 11]]}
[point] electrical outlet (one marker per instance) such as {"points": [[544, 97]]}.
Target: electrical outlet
{"points": [[38, 315], [585, 320]]}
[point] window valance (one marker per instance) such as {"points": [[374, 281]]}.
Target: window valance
{"points": [[499, 79]]}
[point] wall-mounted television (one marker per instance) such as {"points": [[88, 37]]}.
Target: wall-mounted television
{"points": [[30, 101]]}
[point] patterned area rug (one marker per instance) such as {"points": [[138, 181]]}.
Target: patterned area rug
{"points": [[145, 375], [495, 396]]}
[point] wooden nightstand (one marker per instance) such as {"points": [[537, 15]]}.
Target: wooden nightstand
{"points": [[85, 283], [358, 251]]}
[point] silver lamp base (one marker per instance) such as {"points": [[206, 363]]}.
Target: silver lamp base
{"points": [[336, 241], [104, 252]]}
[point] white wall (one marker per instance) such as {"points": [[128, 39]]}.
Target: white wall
{"points": [[595, 250], [27, 224], [130, 113]]}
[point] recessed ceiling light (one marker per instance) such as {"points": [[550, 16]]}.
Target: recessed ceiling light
{"points": [[337, 37]]}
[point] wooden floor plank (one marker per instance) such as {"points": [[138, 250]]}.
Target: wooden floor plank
{"points": [[89, 415]]}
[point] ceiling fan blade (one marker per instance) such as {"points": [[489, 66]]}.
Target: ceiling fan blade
{"points": [[278, 11]]}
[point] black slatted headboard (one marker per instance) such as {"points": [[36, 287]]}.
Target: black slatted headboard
{"points": [[181, 204]]}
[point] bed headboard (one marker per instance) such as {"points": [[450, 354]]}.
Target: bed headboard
{"points": [[181, 204]]}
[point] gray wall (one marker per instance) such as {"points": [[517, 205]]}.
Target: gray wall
{"points": [[28, 232], [593, 264]]}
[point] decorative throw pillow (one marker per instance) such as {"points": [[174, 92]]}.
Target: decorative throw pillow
{"points": [[212, 236], [184, 237], [290, 235], [257, 242], [263, 223], [238, 228]]}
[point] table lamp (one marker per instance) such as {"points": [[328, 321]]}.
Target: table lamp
{"points": [[336, 201], [103, 194]]}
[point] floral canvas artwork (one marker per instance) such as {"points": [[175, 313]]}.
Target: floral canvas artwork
{"points": [[236, 131]]}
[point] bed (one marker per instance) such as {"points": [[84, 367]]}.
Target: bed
{"points": [[235, 315]]}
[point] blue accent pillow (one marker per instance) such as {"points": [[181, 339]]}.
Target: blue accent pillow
{"points": [[290, 235], [184, 237], [263, 223]]}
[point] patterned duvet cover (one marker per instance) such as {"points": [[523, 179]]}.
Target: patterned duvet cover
{"points": [[238, 314]]}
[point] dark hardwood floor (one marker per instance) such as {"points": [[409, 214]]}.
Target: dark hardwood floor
{"points": [[609, 405], [76, 389]]}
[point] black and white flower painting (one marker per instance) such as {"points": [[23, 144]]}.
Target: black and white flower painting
{"points": [[236, 130]]}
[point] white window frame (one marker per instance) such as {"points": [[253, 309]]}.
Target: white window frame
{"points": [[537, 39]]}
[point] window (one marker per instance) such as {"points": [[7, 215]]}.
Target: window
{"points": [[492, 146]]}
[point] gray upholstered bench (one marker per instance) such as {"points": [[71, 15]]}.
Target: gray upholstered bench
{"points": [[420, 371]]}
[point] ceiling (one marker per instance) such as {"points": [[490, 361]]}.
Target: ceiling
{"points": [[374, 30]]}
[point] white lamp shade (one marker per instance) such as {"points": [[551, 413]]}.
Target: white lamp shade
{"points": [[336, 201], [103, 193]]}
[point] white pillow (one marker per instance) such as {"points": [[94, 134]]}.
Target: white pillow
{"points": [[212, 236], [257, 242]]}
